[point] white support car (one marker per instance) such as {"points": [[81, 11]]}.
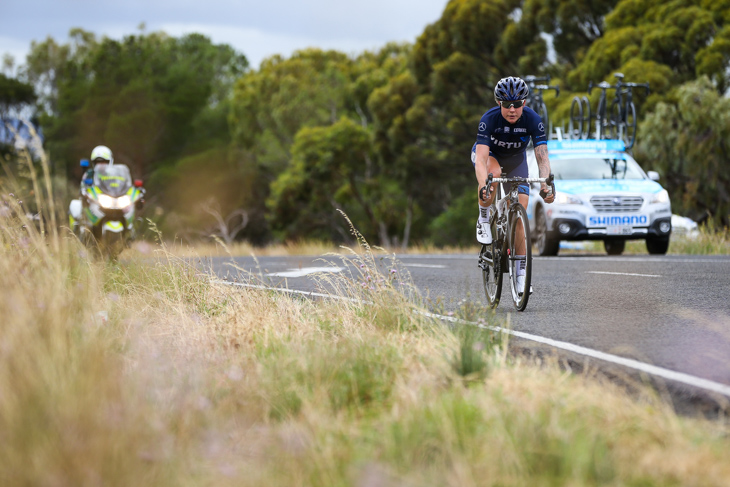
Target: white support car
{"points": [[602, 194]]}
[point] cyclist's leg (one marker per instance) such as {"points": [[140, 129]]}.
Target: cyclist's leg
{"points": [[483, 230]]}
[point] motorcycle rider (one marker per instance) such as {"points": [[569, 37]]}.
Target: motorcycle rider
{"points": [[100, 154]]}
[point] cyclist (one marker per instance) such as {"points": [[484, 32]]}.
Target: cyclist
{"points": [[502, 138]]}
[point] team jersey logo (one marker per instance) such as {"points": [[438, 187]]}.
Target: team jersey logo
{"points": [[541, 127], [482, 126]]}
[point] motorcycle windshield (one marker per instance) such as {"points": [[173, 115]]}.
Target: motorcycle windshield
{"points": [[113, 180]]}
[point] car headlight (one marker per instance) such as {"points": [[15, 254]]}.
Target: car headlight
{"points": [[567, 199], [660, 197], [106, 201]]}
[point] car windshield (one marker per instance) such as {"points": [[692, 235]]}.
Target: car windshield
{"points": [[113, 180], [595, 168]]}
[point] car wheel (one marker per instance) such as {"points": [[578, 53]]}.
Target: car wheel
{"points": [[657, 246], [545, 245], [614, 247]]}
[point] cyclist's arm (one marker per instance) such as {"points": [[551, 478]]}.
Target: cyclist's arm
{"points": [[543, 168], [481, 164]]}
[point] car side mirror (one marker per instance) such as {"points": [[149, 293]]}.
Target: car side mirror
{"points": [[138, 183], [653, 175], [84, 163]]}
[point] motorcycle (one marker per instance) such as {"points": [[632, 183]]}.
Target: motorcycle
{"points": [[107, 209]]}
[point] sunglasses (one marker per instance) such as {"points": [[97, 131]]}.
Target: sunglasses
{"points": [[510, 104]]}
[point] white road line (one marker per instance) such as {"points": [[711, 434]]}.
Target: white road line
{"points": [[431, 266], [691, 380], [290, 291], [305, 271], [622, 274], [589, 352]]}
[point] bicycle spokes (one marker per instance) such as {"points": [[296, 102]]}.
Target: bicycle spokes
{"points": [[520, 257]]}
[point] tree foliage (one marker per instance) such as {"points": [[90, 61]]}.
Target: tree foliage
{"points": [[14, 94], [689, 37], [294, 110], [384, 135], [688, 142], [140, 95]]}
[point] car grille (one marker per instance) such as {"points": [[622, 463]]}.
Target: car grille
{"points": [[617, 204]]}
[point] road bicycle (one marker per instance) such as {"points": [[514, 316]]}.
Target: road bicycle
{"points": [[534, 99], [508, 217], [580, 118], [618, 121]]}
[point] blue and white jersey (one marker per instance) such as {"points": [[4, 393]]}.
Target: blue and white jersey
{"points": [[506, 140]]}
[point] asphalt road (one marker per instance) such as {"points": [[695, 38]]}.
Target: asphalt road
{"points": [[668, 311]]}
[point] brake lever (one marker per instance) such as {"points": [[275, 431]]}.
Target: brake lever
{"points": [[486, 189], [550, 181]]}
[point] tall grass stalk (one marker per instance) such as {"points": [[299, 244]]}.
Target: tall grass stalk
{"points": [[147, 372]]}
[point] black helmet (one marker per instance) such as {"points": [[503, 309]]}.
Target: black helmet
{"points": [[511, 88]]}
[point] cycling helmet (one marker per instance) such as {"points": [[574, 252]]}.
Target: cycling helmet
{"points": [[102, 153], [511, 88]]}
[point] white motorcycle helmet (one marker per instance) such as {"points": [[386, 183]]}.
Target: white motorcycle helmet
{"points": [[102, 154]]}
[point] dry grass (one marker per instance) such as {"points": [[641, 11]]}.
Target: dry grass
{"points": [[145, 372], [218, 249], [709, 241]]}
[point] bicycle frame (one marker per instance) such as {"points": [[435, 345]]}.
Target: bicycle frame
{"points": [[601, 117], [621, 117], [535, 99], [499, 257]]}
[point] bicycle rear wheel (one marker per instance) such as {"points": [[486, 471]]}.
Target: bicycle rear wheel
{"points": [[616, 121], [630, 127], [576, 119], [602, 123], [490, 260], [587, 116], [541, 110], [519, 250]]}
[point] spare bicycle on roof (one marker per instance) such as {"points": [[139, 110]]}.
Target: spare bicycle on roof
{"points": [[537, 85], [614, 121]]}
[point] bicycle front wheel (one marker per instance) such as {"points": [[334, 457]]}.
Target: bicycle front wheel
{"points": [[490, 260], [520, 256]]}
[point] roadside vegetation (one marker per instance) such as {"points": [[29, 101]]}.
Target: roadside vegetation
{"points": [[146, 372]]}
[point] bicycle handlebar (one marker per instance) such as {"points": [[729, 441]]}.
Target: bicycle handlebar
{"points": [[546, 87], [606, 85], [536, 79], [637, 85], [491, 179], [547, 180]]}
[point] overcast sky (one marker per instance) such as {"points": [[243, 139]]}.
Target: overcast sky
{"points": [[257, 28]]}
